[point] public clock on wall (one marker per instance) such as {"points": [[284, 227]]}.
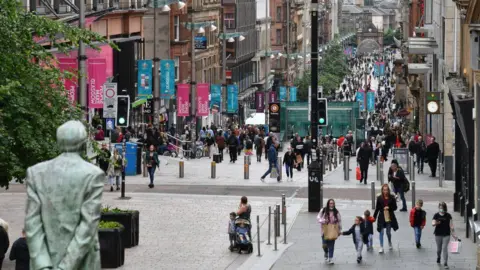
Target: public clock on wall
{"points": [[433, 107]]}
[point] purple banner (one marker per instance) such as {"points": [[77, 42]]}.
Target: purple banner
{"points": [[272, 97], [260, 101]]}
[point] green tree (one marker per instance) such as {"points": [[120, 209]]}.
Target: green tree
{"points": [[302, 85], [32, 97], [389, 34]]}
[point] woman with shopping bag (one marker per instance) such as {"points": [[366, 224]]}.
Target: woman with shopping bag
{"points": [[385, 216], [331, 228], [443, 223]]}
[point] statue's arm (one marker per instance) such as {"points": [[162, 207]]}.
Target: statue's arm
{"points": [[37, 246], [87, 229]]}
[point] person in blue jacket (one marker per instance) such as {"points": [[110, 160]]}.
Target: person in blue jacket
{"points": [[272, 162]]}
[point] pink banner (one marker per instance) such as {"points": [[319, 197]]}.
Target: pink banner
{"points": [[203, 90], [105, 52], [96, 78], [183, 99], [70, 84]]}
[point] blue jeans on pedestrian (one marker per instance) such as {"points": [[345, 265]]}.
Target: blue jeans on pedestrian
{"points": [[271, 165], [151, 173], [402, 196], [328, 247], [388, 228], [418, 234]]}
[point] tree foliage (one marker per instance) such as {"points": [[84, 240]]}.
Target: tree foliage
{"points": [[332, 69], [33, 101], [389, 34]]}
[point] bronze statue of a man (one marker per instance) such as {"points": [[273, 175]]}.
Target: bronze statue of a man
{"points": [[63, 206]]}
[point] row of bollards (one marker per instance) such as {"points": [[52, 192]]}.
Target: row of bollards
{"points": [[279, 218]]}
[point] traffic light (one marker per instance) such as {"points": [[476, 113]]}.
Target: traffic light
{"points": [[322, 112], [123, 110]]}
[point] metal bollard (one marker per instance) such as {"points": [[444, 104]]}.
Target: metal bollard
{"points": [[213, 170], [329, 165], [378, 169], [269, 224], [285, 231], [145, 173], [341, 157], [335, 159], [181, 171], [279, 167], [373, 194], [277, 228], [284, 210], [413, 194], [440, 177], [258, 236], [346, 169], [381, 173], [246, 168], [412, 176], [321, 194]]}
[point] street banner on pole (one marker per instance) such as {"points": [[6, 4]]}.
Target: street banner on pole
{"points": [[70, 84], [282, 93], [144, 78], [260, 101], [183, 100], [215, 97], [110, 100], [203, 90], [96, 78], [371, 101], [382, 69], [232, 98], [167, 81], [360, 98], [293, 93], [376, 69], [272, 97]]}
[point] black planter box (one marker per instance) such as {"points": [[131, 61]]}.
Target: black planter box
{"points": [[130, 222], [112, 250]]}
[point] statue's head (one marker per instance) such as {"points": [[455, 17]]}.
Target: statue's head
{"points": [[71, 136]]}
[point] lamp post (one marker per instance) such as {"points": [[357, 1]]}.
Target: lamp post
{"points": [[314, 68]]}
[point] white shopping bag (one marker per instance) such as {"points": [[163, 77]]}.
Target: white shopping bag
{"points": [[455, 246], [274, 173]]}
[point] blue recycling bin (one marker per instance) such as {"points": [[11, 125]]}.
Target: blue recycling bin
{"points": [[130, 155]]}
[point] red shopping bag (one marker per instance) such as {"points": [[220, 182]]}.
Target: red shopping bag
{"points": [[359, 174]]}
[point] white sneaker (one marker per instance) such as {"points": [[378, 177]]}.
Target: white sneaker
{"points": [[380, 251], [330, 261], [390, 247]]}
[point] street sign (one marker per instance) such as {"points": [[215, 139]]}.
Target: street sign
{"points": [[148, 106], [110, 123], [109, 100], [200, 43]]}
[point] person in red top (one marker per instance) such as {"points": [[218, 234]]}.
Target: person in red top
{"points": [[100, 134], [418, 218]]}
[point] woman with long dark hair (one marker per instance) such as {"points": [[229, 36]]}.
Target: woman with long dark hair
{"points": [[385, 216], [331, 228], [443, 223]]}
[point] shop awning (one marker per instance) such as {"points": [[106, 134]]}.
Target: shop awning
{"points": [[419, 68], [140, 101], [421, 45]]}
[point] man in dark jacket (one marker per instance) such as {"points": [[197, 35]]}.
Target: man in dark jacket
{"points": [[433, 150], [4, 244], [363, 159], [272, 162], [421, 149], [19, 253], [268, 144], [399, 180], [232, 147]]}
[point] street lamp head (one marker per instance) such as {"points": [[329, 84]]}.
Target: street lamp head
{"points": [[181, 4], [213, 27], [300, 57], [231, 39], [166, 8], [241, 38], [280, 54], [272, 56], [201, 30]]}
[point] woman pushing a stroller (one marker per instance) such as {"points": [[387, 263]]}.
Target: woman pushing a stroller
{"points": [[240, 227]]}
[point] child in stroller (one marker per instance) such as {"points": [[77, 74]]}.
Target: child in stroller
{"points": [[240, 235]]}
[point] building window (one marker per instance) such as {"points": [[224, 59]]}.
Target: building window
{"points": [[279, 36], [177, 68], [279, 14], [176, 28], [230, 20]]}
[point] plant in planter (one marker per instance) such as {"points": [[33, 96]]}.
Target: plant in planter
{"points": [[112, 250], [130, 221]]}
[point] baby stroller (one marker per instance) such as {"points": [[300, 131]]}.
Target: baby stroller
{"points": [[242, 236]]}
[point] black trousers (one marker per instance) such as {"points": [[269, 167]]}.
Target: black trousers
{"points": [[220, 152], [364, 171], [259, 154], [232, 150], [433, 166]]}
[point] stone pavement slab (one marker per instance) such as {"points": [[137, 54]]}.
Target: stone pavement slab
{"points": [[306, 251], [176, 231]]}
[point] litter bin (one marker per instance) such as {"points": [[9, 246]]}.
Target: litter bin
{"points": [[130, 155], [315, 177], [139, 157]]}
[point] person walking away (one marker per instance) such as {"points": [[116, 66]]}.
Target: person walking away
{"points": [[299, 148], [232, 147], [308, 149], [19, 253], [359, 235], [4, 241], [433, 150], [289, 162], [443, 223], [103, 158], [397, 177], [330, 227], [272, 162], [241, 142], [421, 153], [417, 221], [259, 145], [210, 145], [368, 223], [220, 140], [363, 158], [385, 207], [248, 147], [115, 169], [152, 163]]}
